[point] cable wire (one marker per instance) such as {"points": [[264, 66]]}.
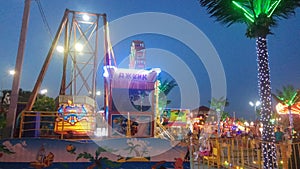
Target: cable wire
{"points": [[44, 19]]}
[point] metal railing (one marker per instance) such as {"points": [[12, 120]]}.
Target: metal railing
{"points": [[51, 125], [245, 152]]}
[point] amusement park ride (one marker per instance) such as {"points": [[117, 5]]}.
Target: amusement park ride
{"points": [[132, 127], [131, 95], [129, 128]]}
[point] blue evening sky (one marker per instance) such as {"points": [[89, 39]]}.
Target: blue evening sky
{"points": [[237, 53]]}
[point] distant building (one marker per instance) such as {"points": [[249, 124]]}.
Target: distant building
{"points": [[204, 114]]}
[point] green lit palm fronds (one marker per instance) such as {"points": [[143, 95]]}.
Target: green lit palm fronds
{"points": [[286, 8], [253, 8], [287, 96], [224, 116], [218, 104], [223, 11], [231, 11], [166, 86], [259, 15]]}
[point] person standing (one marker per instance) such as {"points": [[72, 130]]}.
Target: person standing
{"points": [[278, 135]]}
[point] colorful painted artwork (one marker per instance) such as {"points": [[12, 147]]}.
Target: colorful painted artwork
{"points": [[75, 118], [72, 113], [97, 160], [126, 153], [175, 117], [138, 125], [43, 159]]}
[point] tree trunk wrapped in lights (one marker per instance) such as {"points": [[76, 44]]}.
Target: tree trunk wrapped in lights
{"points": [[268, 145]]}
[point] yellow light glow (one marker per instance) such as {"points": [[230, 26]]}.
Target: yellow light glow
{"points": [[60, 49], [44, 91], [85, 17], [78, 47], [12, 72]]}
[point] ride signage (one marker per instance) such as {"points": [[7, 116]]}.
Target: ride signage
{"points": [[133, 78]]}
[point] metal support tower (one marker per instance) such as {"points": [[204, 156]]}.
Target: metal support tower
{"points": [[11, 117], [79, 32]]}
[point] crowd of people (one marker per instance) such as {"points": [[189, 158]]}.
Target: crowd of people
{"points": [[202, 136]]}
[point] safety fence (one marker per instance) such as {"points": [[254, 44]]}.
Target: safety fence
{"points": [[245, 152], [237, 152], [53, 125]]}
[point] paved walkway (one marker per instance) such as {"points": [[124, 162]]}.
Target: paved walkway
{"points": [[196, 165]]}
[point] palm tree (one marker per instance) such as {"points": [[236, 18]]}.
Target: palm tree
{"points": [[133, 147], [259, 16], [165, 87], [224, 116], [97, 160], [218, 105], [288, 97], [5, 150]]}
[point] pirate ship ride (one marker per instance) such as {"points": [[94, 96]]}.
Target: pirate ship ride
{"points": [[128, 128]]}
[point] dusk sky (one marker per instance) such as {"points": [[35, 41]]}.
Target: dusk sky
{"points": [[236, 53]]}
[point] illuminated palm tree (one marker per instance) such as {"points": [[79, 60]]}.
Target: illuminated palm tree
{"points": [[288, 97], [259, 16], [218, 105], [165, 87]]}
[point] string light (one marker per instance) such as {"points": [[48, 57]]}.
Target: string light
{"points": [[268, 145]]}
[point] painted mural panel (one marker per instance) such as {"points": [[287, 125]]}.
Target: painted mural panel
{"points": [[124, 153], [133, 125]]}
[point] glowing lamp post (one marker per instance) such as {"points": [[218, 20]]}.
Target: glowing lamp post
{"points": [[78, 47], [44, 91], [60, 49], [85, 17], [257, 103], [11, 73]]}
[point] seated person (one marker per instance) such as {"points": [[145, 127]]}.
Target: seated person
{"points": [[214, 134], [204, 150]]}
